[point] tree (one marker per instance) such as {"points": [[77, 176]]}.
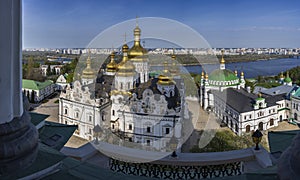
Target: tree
{"points": [[70, 77], [30, 66], [49, 73]]}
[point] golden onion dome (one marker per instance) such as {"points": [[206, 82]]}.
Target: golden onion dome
{"points": [[88, 72], [281, 75], [125, 67], [165, 78], [137, 52], [242, 73], [125, 48], [202, 74], [206, 76], [175, 68], [235, 72], [112, 65]]}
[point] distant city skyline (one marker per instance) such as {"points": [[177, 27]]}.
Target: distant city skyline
{"points": [[71, 24]]}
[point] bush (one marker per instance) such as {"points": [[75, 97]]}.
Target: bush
{"points": [[225, 140]]}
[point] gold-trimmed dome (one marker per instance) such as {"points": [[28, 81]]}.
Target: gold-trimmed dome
{"points": [[165, 78], [88, 72], [175, 67], [137, 52], [112, 65], [125, 67]]}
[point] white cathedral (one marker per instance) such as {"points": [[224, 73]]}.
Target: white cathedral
{"points": [[223, 92], [127, 99]]}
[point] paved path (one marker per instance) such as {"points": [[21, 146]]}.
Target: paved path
{"points": [[49, 108]]}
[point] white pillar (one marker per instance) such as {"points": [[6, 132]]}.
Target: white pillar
{"points": [[11, 104]]}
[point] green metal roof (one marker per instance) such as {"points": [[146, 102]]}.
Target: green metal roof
{"points": [[222, 75], [280, 140], [46, 158], [287, 79], [37, 118], [260, 98], [56, 135], [35, 85], [297, 93]]}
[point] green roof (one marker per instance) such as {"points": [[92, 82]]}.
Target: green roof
{"points": [[280, 140], [287, 79], [260, 98], [46, 158], [297, 93], [56, 135], [35, 85], [36, 118], [222, 75]]}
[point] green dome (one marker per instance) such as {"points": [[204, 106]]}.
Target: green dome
{"points": [[287, 79], [222, 75]]}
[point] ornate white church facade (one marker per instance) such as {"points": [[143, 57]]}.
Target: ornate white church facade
{"points": [[125, 99]]}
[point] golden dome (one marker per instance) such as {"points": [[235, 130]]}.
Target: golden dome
{"points": [[175, 68], [137, 52], [235, 72], [125, 67], [112, 65], [242, 73], [88, 72], [125, 48], [281, 75], [202, 74], [173, 57], [165, 78], [206, 76]]}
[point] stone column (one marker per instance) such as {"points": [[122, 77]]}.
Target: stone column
{"points": [[18, 137], [10, 64]]}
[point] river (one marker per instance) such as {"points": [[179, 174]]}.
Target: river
{"points": [[254, 68]]}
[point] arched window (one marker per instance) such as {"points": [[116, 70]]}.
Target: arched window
{"points": [[247, 128], [280, 118], [128, 85], [113, 112], [271, 122], [66, 111], [236, 128], [261, 126], [295, 116], [121, 85]]}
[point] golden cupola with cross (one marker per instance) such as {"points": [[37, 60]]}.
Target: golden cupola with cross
{"points": [[137, 52], [112, 65], [88, 72], [125, 67], [175, 69], [166, 77]]}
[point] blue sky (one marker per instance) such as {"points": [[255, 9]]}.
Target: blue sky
{"points": [[231, 23]]}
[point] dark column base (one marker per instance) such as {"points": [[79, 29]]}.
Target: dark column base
{"points": [[18, 144]]}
